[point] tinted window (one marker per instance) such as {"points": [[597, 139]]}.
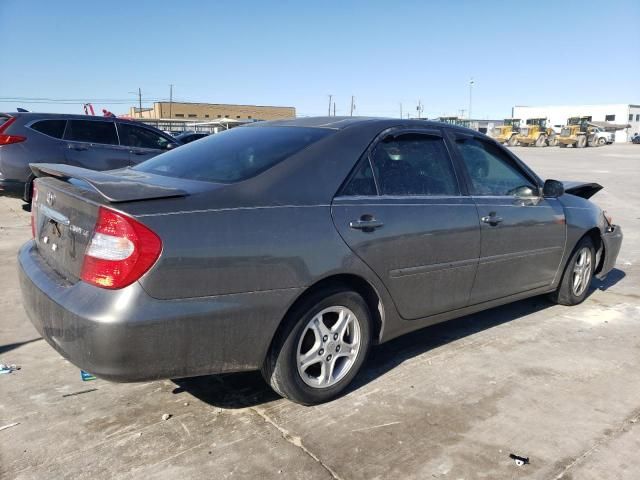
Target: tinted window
{"points": [[414, 164], [362, 182], [491, 171], [91, 131], [233, 155], [134, 136], [53, 128]]}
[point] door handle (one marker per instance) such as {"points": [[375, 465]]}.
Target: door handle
{"points": [[138, 152], [492, 219], [366, 223]]}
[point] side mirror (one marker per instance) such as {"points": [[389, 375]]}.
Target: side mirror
{"points": [[552, 189]]}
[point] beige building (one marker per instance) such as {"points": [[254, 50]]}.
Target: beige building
{"points": [[211, 111]]}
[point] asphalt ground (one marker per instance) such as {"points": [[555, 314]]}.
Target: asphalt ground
{"points": [[558, 385]]}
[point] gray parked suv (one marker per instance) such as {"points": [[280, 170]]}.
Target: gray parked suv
{"points": [[97, 143]]}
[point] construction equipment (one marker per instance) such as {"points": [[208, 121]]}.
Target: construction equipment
{"points": [[507, 132], [537, 133], [578, 132]]}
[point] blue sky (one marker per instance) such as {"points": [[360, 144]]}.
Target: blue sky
{"points": [[296, 53]]}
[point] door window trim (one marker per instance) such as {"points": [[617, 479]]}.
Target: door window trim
{"points": [[397, 131]]}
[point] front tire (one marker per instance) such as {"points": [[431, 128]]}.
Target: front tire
{"points": [[321, 348], [602, 141], [541, 141], [582, 141], [513, 141], [577, 275]]}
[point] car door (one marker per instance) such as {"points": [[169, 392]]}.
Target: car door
{"points": [[143, 143], [523, 233], [403, 213], [94, 144]]}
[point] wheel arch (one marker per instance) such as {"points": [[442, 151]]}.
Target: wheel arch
{"points": [[334, 282]]}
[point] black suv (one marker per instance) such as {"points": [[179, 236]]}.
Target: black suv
{"points": [[98, 143]]}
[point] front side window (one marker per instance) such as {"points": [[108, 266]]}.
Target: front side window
{"points": [[492, 172], [139, 137], [91, 131], [233, 155], [414, 164], [53, 128]]}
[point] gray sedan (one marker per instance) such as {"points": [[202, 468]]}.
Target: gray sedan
{"points": [[294, 246]]}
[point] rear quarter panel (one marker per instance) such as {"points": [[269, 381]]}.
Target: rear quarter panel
{"points": [[237, 250]]}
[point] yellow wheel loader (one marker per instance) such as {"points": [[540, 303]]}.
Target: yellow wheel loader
{"points": [[578, 132], [537, 133], [507, 132]]}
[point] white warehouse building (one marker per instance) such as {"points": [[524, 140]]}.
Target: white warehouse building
{"points": [[624, 115]]}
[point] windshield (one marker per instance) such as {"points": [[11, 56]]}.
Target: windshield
{"points": [[233, 155]]}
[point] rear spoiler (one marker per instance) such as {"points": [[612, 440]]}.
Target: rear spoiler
{"points": [[582, 189], [117, 186]]}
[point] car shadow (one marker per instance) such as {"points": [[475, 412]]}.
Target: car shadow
{"points": [[613, 277], [247, 389], [11, 346]]}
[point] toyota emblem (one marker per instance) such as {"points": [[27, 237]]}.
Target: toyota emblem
{"points": [[51, 198]]}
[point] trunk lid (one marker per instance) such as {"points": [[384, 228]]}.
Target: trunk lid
{"points": [[63, 224], [66, 208]]}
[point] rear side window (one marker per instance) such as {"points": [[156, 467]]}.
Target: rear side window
{"points": [[134, 136], [233, 155], [414, 164], [91, 131], [53, 128]]}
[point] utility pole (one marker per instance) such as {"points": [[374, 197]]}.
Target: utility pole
{"points": [[470, 96], [419, 108], [353, 107], [140, 101], [170, 99], [330, 97], [334, 109], [400, 110]]}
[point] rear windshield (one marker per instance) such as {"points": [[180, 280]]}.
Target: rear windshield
{"points": [[233, 155]]}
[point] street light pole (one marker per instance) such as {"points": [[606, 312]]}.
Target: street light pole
{"points": [[470, 96], [170, 99], [329, 113]]}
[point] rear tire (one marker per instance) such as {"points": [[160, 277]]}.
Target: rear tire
{"points": [[552, 141], [321, 347], [577, 275], [562, 145], [541, 141], [512, 142]]}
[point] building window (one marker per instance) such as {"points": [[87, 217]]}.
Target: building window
{"points": [[630, 116], [219, 116], [178, 115], [237, 116], [249, 116], [206, 115], [638, 117], [192, 115], [610, 118]]}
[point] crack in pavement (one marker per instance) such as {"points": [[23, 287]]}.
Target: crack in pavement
{"points": [[295, 441], [632, 419]]}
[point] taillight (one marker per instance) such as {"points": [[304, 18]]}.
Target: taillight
{"points": [[34, 199], [7, 139], [120, 251]]}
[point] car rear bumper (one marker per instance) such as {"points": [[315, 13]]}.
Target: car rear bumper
{"points": [[126, 335], [612, 241]]}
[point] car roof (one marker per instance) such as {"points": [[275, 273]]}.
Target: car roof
{"points": [[341, 123], [66, 116]]}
